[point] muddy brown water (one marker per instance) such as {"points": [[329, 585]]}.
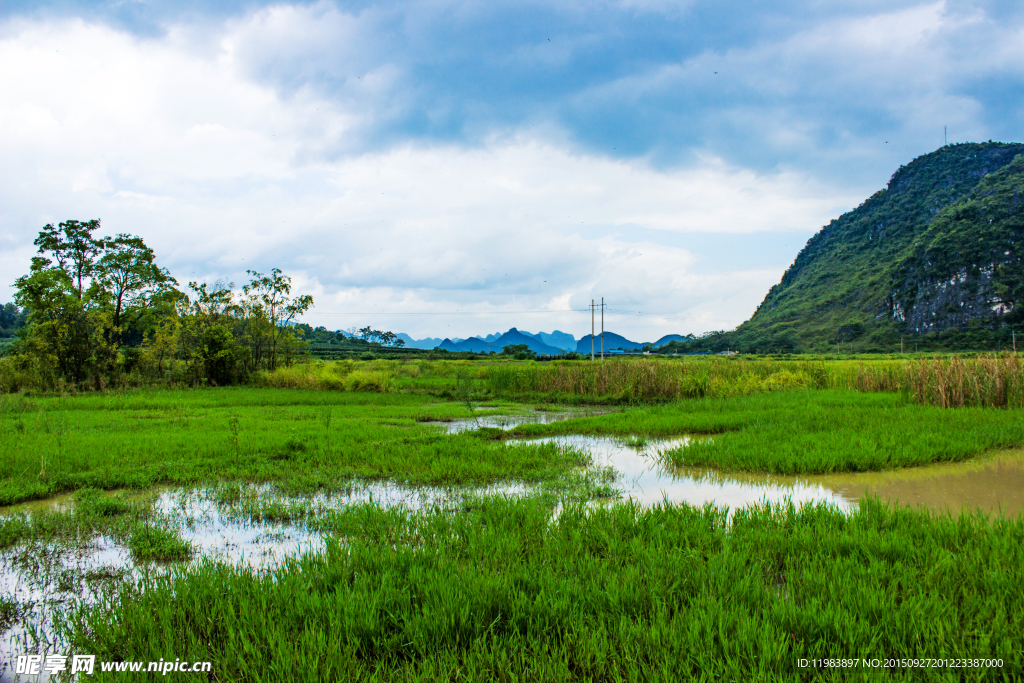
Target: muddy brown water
{"points": [[993, 484]]}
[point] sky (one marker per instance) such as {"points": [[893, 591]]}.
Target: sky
{"points": [[452, 168]]}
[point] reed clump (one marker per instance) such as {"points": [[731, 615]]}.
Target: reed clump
{"points": [[994, 381], [655, 379], [986, 381]]}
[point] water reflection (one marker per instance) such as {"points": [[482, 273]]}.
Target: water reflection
{"points": [[991, 484], [507, 422], [648, 480]]}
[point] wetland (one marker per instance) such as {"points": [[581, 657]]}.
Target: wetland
{"points": [[452, 529]]}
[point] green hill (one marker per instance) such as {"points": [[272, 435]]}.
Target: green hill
{"points": [[934, 258]]}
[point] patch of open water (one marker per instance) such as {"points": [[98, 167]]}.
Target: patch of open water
{"points": [[991, 484], [507, 422]]}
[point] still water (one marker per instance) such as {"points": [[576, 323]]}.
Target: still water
{"points": [[507, 422], [992, 484]]}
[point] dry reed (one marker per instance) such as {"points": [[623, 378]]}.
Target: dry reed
{"points": [[985, 381], [650, 379], [994, 381]]}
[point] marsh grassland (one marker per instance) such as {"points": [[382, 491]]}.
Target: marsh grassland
{"points": [[644, 519]]}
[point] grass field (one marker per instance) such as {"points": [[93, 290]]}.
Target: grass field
{"points": [[300, 440], [670, 593], [304, 440], [540, 585]]}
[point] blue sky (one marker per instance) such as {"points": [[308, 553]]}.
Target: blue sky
{"points": [[452, 168]]}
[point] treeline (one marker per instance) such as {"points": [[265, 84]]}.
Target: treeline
{"points": [[851, 339], [12, 319], [99, 311], [365, 335]]}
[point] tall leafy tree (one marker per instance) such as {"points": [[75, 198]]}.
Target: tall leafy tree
{"points": [[84, 293], [74, 248], [131, 282], [268, 301], [208, 343], [63, 332]]}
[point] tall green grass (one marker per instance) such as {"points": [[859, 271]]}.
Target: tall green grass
{"points": [[501, 592], [333, 376]]}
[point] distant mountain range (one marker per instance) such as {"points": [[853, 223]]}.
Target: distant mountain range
{"points": [[541, 343], [513, 336], [547, 343], [614, 341], [428, 343], [557, 339]]}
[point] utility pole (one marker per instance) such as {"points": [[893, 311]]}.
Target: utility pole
{"points": [[602, 329], [944, 143], [591, 329]]}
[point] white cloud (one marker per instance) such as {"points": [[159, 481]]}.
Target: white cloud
{"points": [[877, 86], [220, 173]]}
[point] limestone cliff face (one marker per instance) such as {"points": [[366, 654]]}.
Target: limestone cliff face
{"points": [[945, 304], [966, 268]]}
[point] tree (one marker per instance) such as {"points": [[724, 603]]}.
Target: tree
{"points": [[207, 342], [267, 296], [63, 321], [520, 351], [12, 319], [84, 294], [135, 286], [71, 243]]}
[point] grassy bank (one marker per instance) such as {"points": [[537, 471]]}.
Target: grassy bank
{"points": [[501, 593]]}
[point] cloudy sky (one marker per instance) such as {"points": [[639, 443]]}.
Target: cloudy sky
{"points": [[448, 168]]}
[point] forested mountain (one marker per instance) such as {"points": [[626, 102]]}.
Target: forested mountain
{"points": [[934, 258]]}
